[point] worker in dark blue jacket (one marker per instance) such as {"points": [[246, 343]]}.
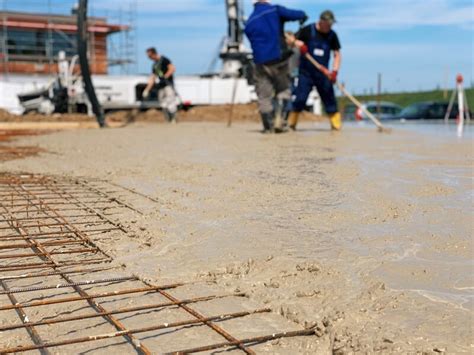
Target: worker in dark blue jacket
{"points": [[265, 30]]}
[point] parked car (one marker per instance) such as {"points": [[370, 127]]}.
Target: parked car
{"points": [[388, 110], [430, 110]]}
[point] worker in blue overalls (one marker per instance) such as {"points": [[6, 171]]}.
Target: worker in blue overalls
{"points": [[319, 40]]}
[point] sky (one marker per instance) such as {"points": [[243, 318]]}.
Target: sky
{"points": [[414, 44]]}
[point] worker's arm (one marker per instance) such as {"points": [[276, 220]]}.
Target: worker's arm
{"points": [[335, 67], [151, 83], [169, 73], [291, 15], [337, 61]]}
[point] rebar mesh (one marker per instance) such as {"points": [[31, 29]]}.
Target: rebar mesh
{"points": [[66, 291]]}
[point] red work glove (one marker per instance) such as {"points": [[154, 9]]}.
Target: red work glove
{"points": [[304, 49], [333, 76], [325, 71]]}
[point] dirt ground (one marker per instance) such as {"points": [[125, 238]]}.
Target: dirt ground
{"points": [[217, 113], [5, 116], [364, 235]]}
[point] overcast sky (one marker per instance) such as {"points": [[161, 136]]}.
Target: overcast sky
{"points": [[413, 43]]}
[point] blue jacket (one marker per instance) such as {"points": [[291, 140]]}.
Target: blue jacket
{"points": [[265, 30]]}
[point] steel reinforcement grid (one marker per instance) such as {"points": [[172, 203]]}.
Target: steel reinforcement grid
{"points": [[59, 289]]}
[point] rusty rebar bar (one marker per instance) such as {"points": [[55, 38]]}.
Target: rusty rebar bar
{"points": [[66, 210], [78, 283], [39, 234], [48, 225], [52, 197], [35, 218], [46, 244], [48, 193], [59, 203], [44, 265], [59, 252], [55, 273], [255, 340], [91, 296]]}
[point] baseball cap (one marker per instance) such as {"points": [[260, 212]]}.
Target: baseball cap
{"points": [[328, 16]]}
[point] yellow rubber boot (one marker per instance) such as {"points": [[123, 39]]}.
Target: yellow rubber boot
{"points": [[293, 120], [336, 121]]}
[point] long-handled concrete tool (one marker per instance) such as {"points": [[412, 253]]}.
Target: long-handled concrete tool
{"points": [[380, 126], [356, 102]]}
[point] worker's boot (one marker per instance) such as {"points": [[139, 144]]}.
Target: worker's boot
{"points": [[286, 113], [293, 120], [336, 122], [279, 112], [166, 113], [267, 121], [172, 117]]}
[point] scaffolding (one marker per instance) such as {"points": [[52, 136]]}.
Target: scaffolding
{"points": [[27, 48], [122, 47]]}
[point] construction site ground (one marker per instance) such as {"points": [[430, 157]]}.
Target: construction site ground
{"points": [[363, 238]]}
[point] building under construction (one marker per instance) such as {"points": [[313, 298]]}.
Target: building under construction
{"points": [[30, 42]]}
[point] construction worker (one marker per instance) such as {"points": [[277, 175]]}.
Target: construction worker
{"points": [[163, 71], [319, 40], [265, 30]]}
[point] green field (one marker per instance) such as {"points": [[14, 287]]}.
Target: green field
{"points": [[407, 98]]}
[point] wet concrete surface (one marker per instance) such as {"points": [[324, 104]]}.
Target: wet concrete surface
{"points": [[368, 234]]}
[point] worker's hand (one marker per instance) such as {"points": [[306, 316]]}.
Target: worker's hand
{"points": [[333, 76], [327, 73], [146, 94], [303, 49], [290, 40], [163, 81], [304, 19]]}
